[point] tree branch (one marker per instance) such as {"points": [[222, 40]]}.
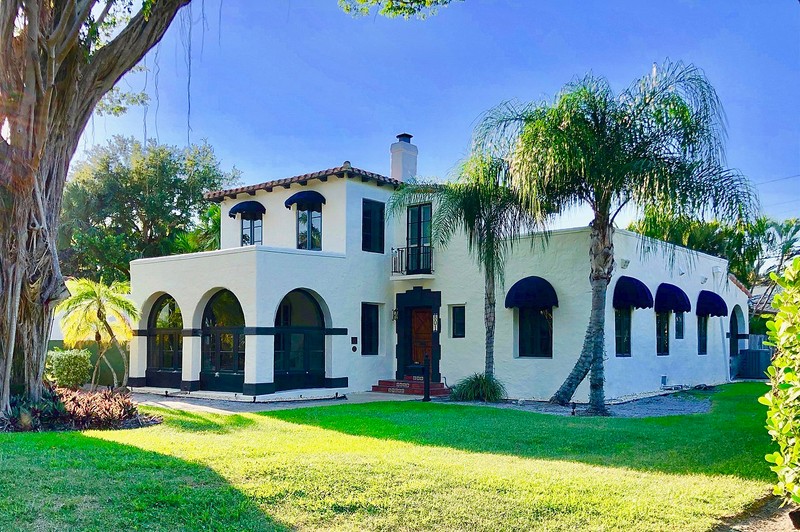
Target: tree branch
{"points": [[123, 53]]}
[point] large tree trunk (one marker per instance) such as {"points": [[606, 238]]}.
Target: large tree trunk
{"points": [[49, 87], [591, 359], [489, 310]]}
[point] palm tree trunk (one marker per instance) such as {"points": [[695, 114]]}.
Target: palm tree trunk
{"points": [[489, 311], [579, 370], [601, 260], [122, 352], [597, 400]]}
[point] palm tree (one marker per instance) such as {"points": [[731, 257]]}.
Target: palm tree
{"points": [[743, 244], [490, 214], [98, 312], [783, 246], [659, 142]]}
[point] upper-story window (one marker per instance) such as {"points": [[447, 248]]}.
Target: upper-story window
{"points": [[309, 218], [309, 229], [372, 226], [418, 239], [251, 214], [251, 230]]}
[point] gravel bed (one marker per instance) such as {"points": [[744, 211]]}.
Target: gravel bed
{"points": [[662, 405]]}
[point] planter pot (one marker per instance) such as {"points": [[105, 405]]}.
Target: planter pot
{"points": [[794, 515]]}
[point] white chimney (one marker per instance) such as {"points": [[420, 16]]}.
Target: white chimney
{"points": [[404, 158]]}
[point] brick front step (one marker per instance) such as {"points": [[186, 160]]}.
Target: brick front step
{"points": [[406, 387], [407, 384]]}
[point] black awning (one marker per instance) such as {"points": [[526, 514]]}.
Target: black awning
{"points": [[247, 207], [531, 292], [710, 304], [307, 200], [630, 292], [670, 298]]}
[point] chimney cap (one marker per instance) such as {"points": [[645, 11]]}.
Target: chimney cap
{"points": [[404, 137]]}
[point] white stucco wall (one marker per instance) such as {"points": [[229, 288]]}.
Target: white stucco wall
{"points": [[280, 223], [342, 276]]}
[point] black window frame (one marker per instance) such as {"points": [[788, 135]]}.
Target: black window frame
{"points": [[419, 247], [160, 338], [623, 325], [458, 321], [702, 335], [373, 226], [662, 333], [680, 326], [534, 321], [370, 329], [250, 235], [310, 211]]}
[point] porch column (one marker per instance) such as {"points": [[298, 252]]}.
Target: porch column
{"points": [[192, 359], [138, 362], [259, 364]]}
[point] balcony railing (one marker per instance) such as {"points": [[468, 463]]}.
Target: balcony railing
{"points": [[412, 260]]}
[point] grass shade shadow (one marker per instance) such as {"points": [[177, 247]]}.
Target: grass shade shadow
{"points": [[71, 481]]}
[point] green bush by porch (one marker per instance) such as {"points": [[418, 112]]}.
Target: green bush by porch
{"points": [[394, 465]]}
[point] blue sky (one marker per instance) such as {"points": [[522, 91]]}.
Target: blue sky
{"points": [[284, 87]]}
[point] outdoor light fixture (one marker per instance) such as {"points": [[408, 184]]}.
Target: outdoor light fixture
{"points": [[703, 279], [624, 263], [394, 314], [435, 322], [681, 271]]}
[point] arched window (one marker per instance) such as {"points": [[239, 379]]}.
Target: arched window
{"points": [[223, 344], [165, 343]]}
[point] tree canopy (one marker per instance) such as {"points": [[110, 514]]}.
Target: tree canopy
{"points": [[128, 201], [743, 243]]}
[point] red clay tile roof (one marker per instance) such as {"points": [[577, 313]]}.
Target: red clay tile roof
{"points": [[340, 171], [739, 285]]}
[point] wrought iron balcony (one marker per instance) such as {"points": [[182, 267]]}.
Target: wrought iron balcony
{"points": [[412, 260]]}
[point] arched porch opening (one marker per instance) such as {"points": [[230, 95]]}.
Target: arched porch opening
{"points": [[164, 344], [299, 342], [735, 343], [223, 344]]}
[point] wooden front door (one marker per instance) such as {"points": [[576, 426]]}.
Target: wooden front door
{"points": [[421, 334]]}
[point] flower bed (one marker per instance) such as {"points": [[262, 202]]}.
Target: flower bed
{"points": [[65, 409]]}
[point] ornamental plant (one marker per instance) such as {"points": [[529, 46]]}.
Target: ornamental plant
{"points": [[479, 387], [783, 399], [69, 369]]}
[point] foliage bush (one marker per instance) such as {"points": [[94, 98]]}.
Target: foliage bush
{"points": [[69, 369], [479, 387], [783, 400], [65, 409]]}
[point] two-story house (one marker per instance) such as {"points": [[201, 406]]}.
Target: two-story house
{"points": [[316, 287]]}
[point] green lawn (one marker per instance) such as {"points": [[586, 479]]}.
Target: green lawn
{"points": [[393, 466]]}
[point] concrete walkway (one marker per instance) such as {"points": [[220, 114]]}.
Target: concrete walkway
{"points": [[220, 406]]}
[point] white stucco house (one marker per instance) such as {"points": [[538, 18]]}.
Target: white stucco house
{"points": [[315, 287]]}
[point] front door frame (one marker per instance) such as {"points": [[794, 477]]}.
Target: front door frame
{"points": [[417, 297]]}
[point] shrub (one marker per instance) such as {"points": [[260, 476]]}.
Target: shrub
{"points": [[479, 387], [25, 415], [69, 369], [783, 400]]}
